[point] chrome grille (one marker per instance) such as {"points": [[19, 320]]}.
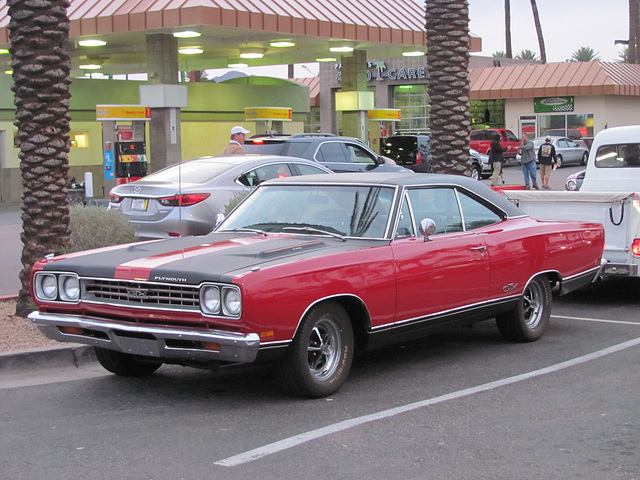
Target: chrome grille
{"points": [[141, 294]]}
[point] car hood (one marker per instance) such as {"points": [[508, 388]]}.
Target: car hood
{"points": [[192, 260]]}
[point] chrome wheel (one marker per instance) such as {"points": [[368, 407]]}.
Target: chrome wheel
{"points": [[529, 320], [533, 305], [323, 354]]}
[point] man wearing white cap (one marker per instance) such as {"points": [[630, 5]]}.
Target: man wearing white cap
{"points": [[237, 140]]}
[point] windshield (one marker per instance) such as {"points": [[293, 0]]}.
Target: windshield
{"points": [[348, 210]]}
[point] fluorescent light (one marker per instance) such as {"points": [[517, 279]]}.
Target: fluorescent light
{"points": [[282, 44], [237, 65], [90, 66], [326, 59], [3, 51], [342, 49], [413, 53], [252, 52], [187, 34], [92, 43], [190, 51]]}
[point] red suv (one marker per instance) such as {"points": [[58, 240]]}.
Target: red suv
{"points": [[481, 141]]}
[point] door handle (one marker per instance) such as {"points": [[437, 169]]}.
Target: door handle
{"points": [[482, 248]]}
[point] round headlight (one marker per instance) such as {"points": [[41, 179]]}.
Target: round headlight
{"points": [[70, 288], [232, 302], [48, 287], [210, 300]]}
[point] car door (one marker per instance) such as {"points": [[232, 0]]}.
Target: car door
{"points": [[334, 156], [448, 271], [575, 152]]}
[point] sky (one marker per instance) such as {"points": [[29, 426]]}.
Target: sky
{"points": [[567, 25]]}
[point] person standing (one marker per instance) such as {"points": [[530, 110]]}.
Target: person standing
{"points": [[547, 158], [496, 158], [238, 135], [528, 160]]}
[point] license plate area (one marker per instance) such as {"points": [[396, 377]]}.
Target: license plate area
{"points": [[139, 204]]}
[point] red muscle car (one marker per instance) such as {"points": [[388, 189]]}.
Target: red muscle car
{"points": [[308, 270]]}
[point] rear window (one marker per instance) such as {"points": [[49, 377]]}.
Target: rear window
{"points": [[189, 172], [277, 147], [394, 144], [617, 156]]}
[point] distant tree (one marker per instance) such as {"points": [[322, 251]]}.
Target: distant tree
{"points": [[536, 20], [584, 54], [527, 55], [624, 55], [499, 54], [507, 29], [447, 26]]}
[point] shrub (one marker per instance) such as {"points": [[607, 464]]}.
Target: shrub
{"points": [[95, 227]]}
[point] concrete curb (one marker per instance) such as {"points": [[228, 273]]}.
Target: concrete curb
{"points": [[47, 357]]}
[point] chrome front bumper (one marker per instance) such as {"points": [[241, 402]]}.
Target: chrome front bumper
{"points": [[173, 344]]}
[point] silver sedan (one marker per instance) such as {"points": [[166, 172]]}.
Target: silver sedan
{"points": [[567, 150], [184, 199]]}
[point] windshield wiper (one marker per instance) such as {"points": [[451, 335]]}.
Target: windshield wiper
{"points": [[316, 230], [244, 229]]}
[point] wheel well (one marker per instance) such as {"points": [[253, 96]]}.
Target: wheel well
{"points": [[554, 279], [358, 315]]}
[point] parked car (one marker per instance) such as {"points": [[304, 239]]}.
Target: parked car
{"points": [[567, 151], [572, 133], [185, 198], [480, 163], [574, 181], [480, 140], [307, 271], [340, 154], [411, 151]]}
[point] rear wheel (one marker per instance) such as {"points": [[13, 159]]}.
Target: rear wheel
{"points": [[124, 364], [558, 161], [475, 172], [529, 320], [585, 157], [319, 359]]}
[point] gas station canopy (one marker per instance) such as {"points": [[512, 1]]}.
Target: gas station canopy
{"points": [[228, 28]]}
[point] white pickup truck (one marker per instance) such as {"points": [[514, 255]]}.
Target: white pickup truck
{"points": [[609, 195]]}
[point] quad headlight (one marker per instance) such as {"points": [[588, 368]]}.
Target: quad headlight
{"points": [[60, 287], [222, 300]]}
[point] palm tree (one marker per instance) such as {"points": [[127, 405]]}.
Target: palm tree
{"points": [[527, 55], [624, 55], [507, 28], [499, 54], [536, 20], [39, 35], [584, 54], [447, 24]]}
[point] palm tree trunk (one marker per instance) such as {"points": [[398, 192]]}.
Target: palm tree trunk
{"points": [[39, 34], [536, 19], [507, 28], [447, 25]]}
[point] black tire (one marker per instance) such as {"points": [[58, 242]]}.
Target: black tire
{"points": [[529, 321], [476, 172], [319, 358], [124, 364], [585, 157], [558, 161]]}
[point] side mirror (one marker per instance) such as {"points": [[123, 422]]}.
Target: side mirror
{"points": [[427, 228]]}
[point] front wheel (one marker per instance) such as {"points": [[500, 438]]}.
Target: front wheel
{"points": [[558, 161], [529, 320], [124, 364], [319, 358], [476, 172]]}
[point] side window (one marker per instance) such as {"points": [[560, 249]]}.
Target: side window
{"points": [[308, 169], [258, 175], [330, 152], [571, 144], [438, 204], [476, 215], [476, 135], [405, 223], [562, 144], [359, 155], [511, 137]]}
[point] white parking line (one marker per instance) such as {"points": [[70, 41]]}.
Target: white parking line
{"points": [[301, 438], [599, 320]]}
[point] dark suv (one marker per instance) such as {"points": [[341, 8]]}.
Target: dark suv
{"points": [[411, 151], [340, 154]]}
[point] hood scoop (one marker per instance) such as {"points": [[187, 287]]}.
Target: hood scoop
{"points": [[291, 249]]}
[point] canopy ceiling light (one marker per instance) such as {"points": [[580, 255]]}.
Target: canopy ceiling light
{"points": [[186, 34], [282, 44], [92, 43], [413, 53], [3, 51], [341, 47], [252, 52], [89, 66], [190, 51], [326, 59], [237, 65]]}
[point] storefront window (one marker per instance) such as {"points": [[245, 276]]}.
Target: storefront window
{"points": [[312, 123], [413, 102], [79, 139], [487, 114], [571, 125]]}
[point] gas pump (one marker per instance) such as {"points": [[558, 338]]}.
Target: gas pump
{"points": [[130, 161]]}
